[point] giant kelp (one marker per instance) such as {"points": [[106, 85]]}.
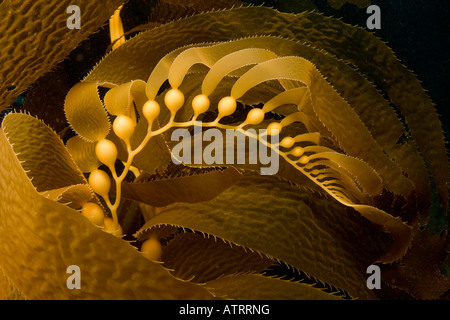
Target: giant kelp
{"points": [[351, 185]]}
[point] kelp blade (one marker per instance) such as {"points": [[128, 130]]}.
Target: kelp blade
{"points": [[35, 37]]}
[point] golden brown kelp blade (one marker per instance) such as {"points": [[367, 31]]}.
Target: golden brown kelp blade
{"points": [[247, 286], [189, 255], [34, 38], [84, 107], [83, 153], [192, 188], [45, 159], [168, 10]]}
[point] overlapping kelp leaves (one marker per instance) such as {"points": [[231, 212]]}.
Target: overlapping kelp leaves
{"points": [[227, 232], [34, 38]]}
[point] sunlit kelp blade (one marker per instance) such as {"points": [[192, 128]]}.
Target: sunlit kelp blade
{"points": [[160, 192], [189, 255], [85, 112], [24, 58], [83, 153], [44, 156], [247, 286], [57, 237]]}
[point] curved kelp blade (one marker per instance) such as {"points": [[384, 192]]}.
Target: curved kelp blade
{"points": [[85, 112], [83, 153], [249, 286], [189, 255], [73, 196], [43, 155], [270, 216], [57, 237], [192, 188], [35, 36]]}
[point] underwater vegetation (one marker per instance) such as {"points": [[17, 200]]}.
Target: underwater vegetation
{"points": [[362, 162]]}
